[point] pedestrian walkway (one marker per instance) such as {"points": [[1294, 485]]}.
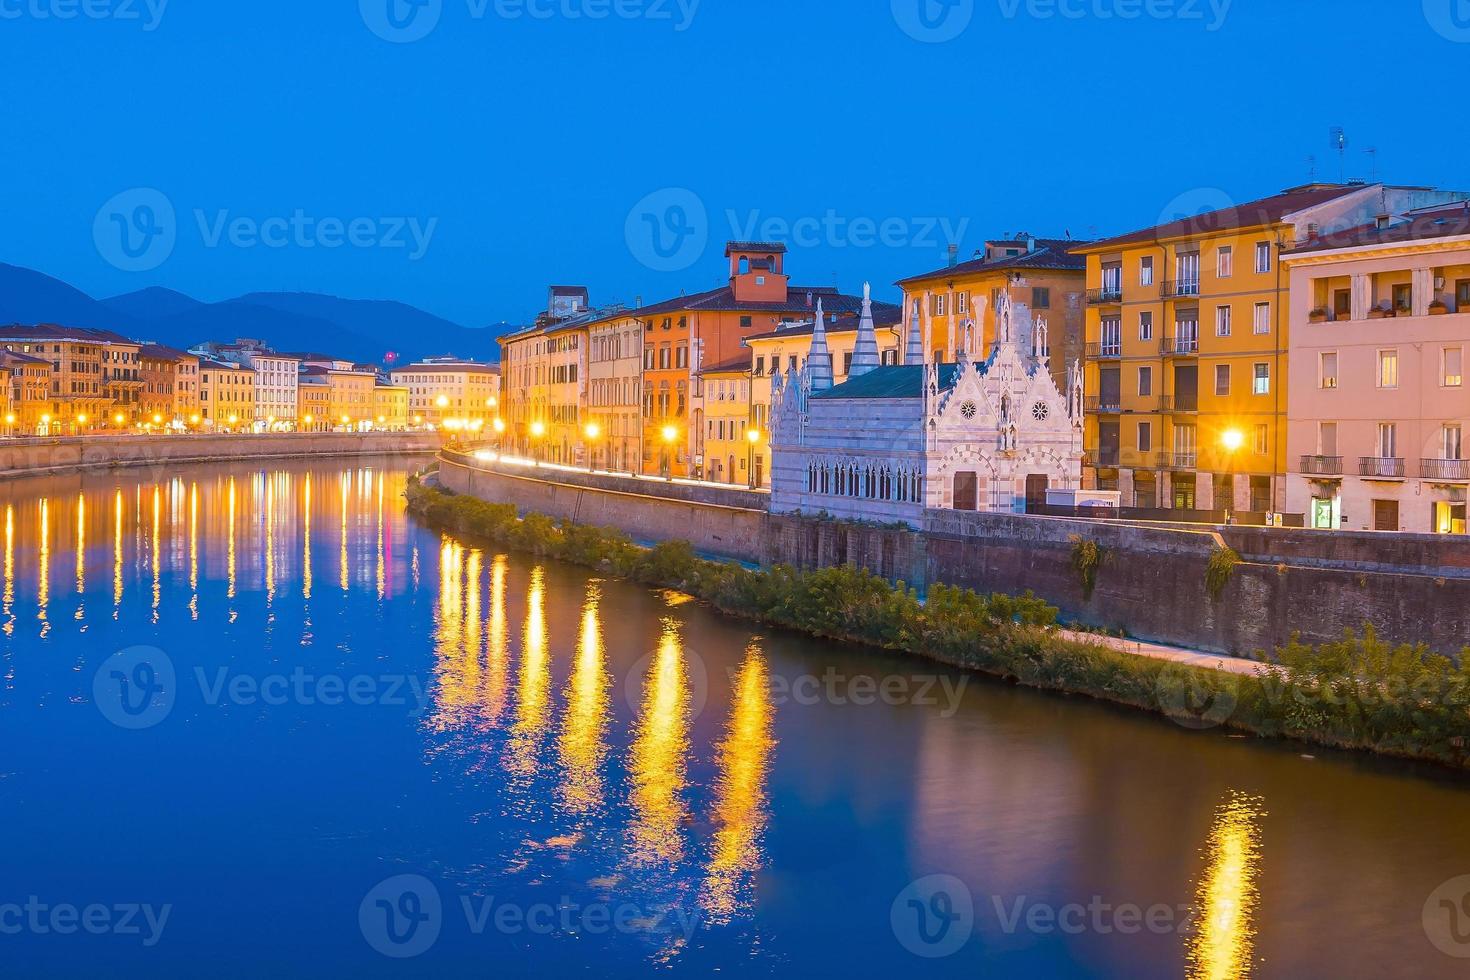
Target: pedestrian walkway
{"points": [[1178, 655]]}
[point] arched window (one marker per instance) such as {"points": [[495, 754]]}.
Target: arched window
{"points": [[744, 265]]}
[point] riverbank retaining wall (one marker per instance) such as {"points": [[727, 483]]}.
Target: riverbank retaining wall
{"points": [[1151, 581], [39, 457]]}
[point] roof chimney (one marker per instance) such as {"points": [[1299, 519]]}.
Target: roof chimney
{"points": [[954, 255]]}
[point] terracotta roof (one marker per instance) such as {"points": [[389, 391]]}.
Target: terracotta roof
{"points": [[734, 365], [1426, 225], [1050, 253], [9, 356], [775, 248], [158, 352], [423, 368], [1266, 211], [51, 331]]}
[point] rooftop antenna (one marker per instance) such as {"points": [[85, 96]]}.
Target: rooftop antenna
{"points": [[1372, 152], [1312, 169], [1339, 143]]}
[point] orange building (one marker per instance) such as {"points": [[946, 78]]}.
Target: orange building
{"points": [[27, 392], [680, 335]]}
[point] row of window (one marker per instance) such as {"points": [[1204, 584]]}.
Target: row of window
{"points": [[1186, 267], [865, 481], [1451, 368], [727, 429], [939, 303], [1451, 440], [1186, 326], [658, 358]]}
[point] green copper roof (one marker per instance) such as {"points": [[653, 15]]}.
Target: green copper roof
{"points": [[896, 381]]}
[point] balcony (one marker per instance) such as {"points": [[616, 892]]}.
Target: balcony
{"points": [[1322, 465], [1104, 296], [1185, 346], [1181, 461], [1179, 288], [1105, 406], [1105, 351], [1178, 405], [1102, 458], [1454, 470], [1381, 467]]}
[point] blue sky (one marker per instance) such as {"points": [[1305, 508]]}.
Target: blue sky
{"points": [[523, 142]]}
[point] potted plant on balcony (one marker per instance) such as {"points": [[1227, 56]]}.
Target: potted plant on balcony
{"points": [[1380, 311], [1402, 309], [1319, 315], [1438, 308]]}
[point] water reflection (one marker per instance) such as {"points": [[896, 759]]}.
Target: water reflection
{"points": [[740, 809], [1223, 940], [660, 758], [533, 710], [582, 747]]}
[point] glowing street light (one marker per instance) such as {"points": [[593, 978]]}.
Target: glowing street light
{"points": [[593, 432], [158, 420], [1232, 440], [442, 401], [752, 436], [669, 434], [538, 429], [499, 425], [118, 419]]}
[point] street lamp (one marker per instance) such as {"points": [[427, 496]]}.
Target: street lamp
{"points": [[538, 429], [752, 436], [118, 419], [1231, 440], [593, 431], [669, 434]]}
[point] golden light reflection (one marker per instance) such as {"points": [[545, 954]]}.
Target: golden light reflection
{"points": [[382, 568], [581, 746], [9, 596], [342, 557], [306, 540], [740, 805], [498, 648], [194, 550], [1221, 945], [230, 542], [270, 541], [117, 551], [43, 576], [533, 714], [660, 757], [81, 547], [156, 553]]}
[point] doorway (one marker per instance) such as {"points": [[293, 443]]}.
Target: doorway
{"points": [[966, 491]]}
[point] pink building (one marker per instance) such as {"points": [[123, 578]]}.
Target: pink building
{"points": [[1378, 405]]}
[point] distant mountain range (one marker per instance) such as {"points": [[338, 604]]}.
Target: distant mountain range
{"points": [[365, 331]]}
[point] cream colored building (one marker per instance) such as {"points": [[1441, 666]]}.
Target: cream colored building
{"points": [[1379, 406], [614, 389], [451, 391]]}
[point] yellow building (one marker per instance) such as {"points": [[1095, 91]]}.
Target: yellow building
{"points": [[1186, 345], [1040, 272], [390, 407], [445, 388], [314, 402], [352, 404], [727, 451], [226, 395], [26, 381], [786, 348]]}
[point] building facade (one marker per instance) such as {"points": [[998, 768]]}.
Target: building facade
{"points": [[27, 393], [445, 388], [992, 434], [614, 388], [226, 396], [726, 446], [1042, 273], [1186, 345], [390, 407], [276, 380], [1379, 407]]}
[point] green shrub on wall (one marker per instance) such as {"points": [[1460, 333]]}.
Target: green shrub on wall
{"points": [[1219, 569], [1087, 556], [1357, 693]]}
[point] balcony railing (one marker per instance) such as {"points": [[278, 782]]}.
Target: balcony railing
{"points": [[1322, 465], [1183, 346], [1445, 469], [1178, 405], [1112, 406], [1384, 466], [1107, 294], [1176, 288], [1181, 461], [1105, 351], [1102, 457]]}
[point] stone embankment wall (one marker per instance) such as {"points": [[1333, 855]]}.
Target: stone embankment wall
{"points": [[1150, 583], [37, 457], [728, 523]]}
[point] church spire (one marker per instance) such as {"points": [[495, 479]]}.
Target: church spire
{"points": [[914, 349], [865, 353], [819, 358]]}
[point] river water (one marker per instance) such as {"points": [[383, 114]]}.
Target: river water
{"points": [[258, 722]]}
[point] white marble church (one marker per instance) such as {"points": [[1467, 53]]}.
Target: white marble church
{"points": [[892, 441]]}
